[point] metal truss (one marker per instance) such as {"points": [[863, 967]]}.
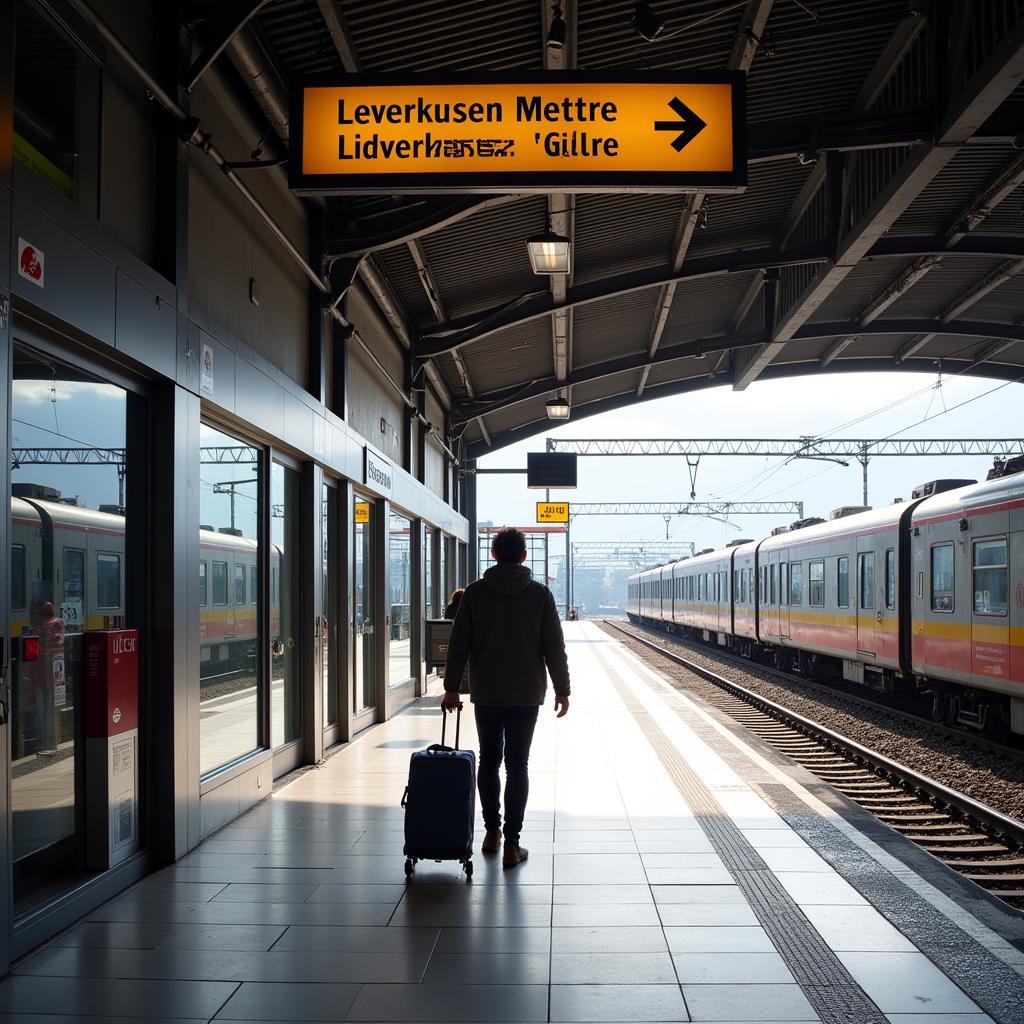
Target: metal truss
{"points": [[797, 447], [715, 509], [241, 455]]}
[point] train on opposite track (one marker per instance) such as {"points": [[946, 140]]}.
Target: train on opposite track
{"points": [[924, 595]]}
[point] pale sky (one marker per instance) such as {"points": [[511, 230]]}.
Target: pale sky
{"points": [[863, 406]]}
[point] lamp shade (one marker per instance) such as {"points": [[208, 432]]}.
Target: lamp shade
{"points": [[550, 253], [558, 409]]}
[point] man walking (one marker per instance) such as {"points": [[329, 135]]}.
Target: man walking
{"points": [[507, 630]]}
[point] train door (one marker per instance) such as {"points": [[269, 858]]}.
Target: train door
{"points": [[866, 602], [327, 629], [989, 594], [784, 597]]}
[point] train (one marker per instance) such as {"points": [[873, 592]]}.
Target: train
{"points": [[925, 595], [67, 575]]}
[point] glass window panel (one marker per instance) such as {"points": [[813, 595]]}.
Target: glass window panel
{"points": [[254, 576], [784, 583], [220, 583], [399, 591], [330, 562], [364, 676], [67, 523], [428, 574], [774, 584], [890, 579], [942, 578], [867, 580], [203, 586], [56, 106], [229, 634], [990, 577], [285, 609], [843, 578], [816, 584], [240, 575], [17, 577], [796, 576], [108, 581]]}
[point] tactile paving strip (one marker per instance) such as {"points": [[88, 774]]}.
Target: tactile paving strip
{"points": [[828, 986]]}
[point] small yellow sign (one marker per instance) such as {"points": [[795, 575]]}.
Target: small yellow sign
{"points": [[362, 511], [552, 511], [652, 131]]}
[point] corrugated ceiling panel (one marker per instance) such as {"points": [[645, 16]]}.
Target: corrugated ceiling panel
{"points": [[682, 369], [511, 357], [705, 307], [298, 38], [627, 232], [750, 220], [859, 287], [455, 34], [595, 390], [482, 261], [938, 289], [1004, 305], [953, 189], [617, 327], [401, 271], [1008, 217], [516, 415]]}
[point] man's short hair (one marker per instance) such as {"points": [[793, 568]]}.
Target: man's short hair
{"points": [[508, 544]]}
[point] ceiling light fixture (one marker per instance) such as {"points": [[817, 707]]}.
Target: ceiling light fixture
{"points": [[556, 30], [558, 409], [646, 23], [550, 253]]}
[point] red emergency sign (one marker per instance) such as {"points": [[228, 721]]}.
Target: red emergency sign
{"points": [[111, 681]]}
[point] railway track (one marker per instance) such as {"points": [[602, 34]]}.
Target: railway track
{"points": [[978, 841]]}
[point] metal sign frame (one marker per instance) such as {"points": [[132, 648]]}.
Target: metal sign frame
{"points": [[521, 181]]}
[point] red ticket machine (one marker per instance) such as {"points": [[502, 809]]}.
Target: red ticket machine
{"points": [[111, 699]]}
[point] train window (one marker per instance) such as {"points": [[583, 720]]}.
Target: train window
{"points": [[773, 580], [843, 581], [796, 588], [866, 565], [253, 585], [890, 578], [239, 585], [990, 577], [17, 577], [783, 583], [816, 584], [108, 581], [202, 585], [73, 607], [220, 582], [718, 588], [725, 586], [743, 586], [942, 578]]}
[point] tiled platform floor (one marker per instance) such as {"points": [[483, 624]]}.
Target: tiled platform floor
{"points": [[298, 911]]}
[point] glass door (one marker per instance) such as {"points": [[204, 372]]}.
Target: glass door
{"points": [[285, 604], [364, 676], [327, 627]]}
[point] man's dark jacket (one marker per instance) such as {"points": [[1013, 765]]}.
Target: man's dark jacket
{"points": [[507, 630]]}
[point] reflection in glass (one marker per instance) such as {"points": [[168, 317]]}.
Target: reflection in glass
{"points": [[67, 575], [286, 604], [442, 569], [229, 474], [56, 106], [428, 574], [399, 591], [331, 571], [363, 695]]}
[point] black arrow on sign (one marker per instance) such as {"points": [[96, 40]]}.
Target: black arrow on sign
{"points": [[689, 125]]}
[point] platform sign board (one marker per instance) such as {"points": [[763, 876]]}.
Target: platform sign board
{"points": [[552, 511], [575, 131], [551, 469]]}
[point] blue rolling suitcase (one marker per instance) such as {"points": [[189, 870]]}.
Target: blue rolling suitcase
{"points": [[440, 803]]}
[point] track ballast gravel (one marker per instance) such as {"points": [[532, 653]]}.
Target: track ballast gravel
{"points": [[992, 778]]}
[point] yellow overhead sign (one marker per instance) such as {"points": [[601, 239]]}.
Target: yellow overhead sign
{"points": [[648, 131], [552, 511], [362, 511]]}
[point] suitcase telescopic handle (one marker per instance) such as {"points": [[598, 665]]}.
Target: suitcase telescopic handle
{"points": [[458, 724]]}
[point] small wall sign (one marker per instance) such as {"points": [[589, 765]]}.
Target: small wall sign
{"points": [[31, 263]]}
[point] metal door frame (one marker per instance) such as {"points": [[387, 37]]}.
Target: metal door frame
{"points": [[866, 617], [360, 719]]}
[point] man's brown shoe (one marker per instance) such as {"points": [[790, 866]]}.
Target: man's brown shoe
{"points": [[514, 854], [492, 841]]}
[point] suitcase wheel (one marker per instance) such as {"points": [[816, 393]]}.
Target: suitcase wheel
{"points": [[408, 868]]}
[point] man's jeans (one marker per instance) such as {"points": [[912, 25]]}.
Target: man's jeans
{"points": [[504, 732]]}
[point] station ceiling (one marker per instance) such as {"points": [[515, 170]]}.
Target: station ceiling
{"points": [[882, 227]]}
